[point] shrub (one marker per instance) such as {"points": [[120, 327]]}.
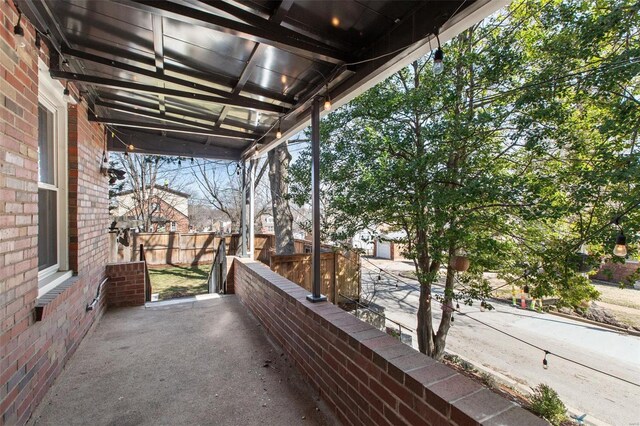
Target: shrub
{"points": [[546, 403], [488, 380]]}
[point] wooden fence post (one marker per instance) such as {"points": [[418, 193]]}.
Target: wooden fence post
{"points": [[335, 279]]}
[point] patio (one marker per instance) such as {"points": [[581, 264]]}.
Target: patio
{"points": [[198, 362]]}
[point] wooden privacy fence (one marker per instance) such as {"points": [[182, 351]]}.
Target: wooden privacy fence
{"points": [[169, 248], [172, 248], [339, 271]]}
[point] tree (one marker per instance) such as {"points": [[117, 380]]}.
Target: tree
{"points": [[223, 189], [146, 176], [503, 156], [279, 159]]}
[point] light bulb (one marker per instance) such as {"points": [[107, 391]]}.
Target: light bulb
{"points": [[620, 248], [131, 147], [278, 134], [327, 105], [67, 96], [18, 32], [438, 65], [20, 40]]}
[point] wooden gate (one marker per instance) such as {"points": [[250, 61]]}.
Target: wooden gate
{"points": [[217, 280]]}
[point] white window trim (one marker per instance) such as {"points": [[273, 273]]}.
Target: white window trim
{"points": [[50, 94]]}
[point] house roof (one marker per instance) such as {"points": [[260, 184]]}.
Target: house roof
{"points": [[215, 79], [158, 188]]}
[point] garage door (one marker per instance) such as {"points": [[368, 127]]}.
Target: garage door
{"points": [[383, 250]]}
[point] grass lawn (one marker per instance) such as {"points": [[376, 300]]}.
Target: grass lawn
{"points": [[178, 281]]}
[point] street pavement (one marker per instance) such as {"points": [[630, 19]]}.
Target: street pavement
{"points": [[604, 399]]}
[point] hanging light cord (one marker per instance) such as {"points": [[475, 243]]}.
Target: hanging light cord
{"points": [[546, 352]]}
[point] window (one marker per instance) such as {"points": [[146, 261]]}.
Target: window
{"points": [[52, 183], [173, 227]]}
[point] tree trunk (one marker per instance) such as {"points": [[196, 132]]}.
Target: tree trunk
{"points": [[440, 338], [279, 159]]}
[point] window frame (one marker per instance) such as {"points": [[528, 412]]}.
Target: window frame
{"points": [[50, 96]]}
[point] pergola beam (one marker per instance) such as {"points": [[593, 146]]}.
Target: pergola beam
{"points": [[242, 80], [177, 120], [164, 127], [171, 71], [131, 104], [162, 76], [145, 88], [272, 26], [158, 50], [277, 39], [149, 143], [281, 11]]}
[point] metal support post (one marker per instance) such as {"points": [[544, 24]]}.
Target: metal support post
{"points": [[315, 197], [243, 210], [252, 208]]}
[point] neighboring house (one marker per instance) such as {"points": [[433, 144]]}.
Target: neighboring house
{"points": [[169, 209], [627, 272], [389, 245], [363, 240], [266, 224]]}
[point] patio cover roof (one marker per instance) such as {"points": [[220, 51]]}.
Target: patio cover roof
{"points": [[216, 79]]}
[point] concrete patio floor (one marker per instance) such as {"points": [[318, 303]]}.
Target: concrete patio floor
{"points": [[200, 362]]}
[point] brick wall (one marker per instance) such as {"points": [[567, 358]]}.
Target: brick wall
{"points": [[617, 272], [32, 353], [366, 376], [126, 284]]}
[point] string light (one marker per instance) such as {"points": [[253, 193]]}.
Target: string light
{"points": [[327, 100], [66, 95], [620, 248], [131, 147], [38, 42], [278, 132], [18, 32], [438, 65], [545, 362]]}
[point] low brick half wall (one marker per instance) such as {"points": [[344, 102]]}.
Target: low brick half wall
{"points": [[126, 284], [366, 376], [617, 272]]}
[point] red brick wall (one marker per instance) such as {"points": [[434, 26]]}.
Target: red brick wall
{"points": [[617, 272], [88, 194], [126, 284], [32, 353], [365, 375]]}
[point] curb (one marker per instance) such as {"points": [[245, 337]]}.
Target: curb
{"points": [[599, 324], [580, 319], [621, 330], [527, 390]]}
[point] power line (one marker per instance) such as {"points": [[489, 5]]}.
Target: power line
{"points": [[545, 351]]}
